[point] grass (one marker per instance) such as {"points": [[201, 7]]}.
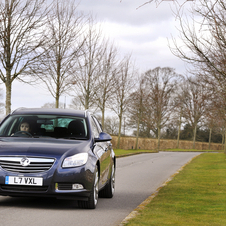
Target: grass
{"points": [[122, 152], [191, 150], [196, 196]]}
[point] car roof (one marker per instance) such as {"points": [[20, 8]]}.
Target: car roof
{"points": [[50, 111]]}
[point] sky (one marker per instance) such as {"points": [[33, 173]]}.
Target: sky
{"points": [[143, 32]]}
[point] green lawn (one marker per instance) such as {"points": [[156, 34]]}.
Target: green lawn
{"points": [[196, 196]]}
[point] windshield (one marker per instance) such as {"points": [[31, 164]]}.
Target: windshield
{"points": [[44, 126]]}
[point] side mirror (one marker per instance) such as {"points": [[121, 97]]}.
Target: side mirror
{"points": [[103, 137]]}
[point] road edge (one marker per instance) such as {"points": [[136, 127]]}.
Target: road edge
{"points": [[135, 212]]}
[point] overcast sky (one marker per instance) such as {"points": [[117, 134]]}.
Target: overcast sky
{"points": [[142, 31]]}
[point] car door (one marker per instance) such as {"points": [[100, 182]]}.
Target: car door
{"points": [[103, 151]]}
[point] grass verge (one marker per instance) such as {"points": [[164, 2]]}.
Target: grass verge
{"points": [[191, 150], [122, 152], [196, 196]]}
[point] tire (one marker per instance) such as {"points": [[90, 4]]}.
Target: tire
{"points": [[93, 199], [109, 189]]}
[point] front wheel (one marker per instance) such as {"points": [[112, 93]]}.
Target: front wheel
{"points": [[109, 189], [93, 199]]}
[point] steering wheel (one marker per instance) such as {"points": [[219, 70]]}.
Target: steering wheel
{"points": [[22, 133]]}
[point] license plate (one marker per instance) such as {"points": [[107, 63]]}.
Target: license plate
{"points": [[31, 181]]}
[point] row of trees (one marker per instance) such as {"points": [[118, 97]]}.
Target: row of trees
{"points": [[200, 100], [203, 37], [55, 44], [164, 100], [164, 104], [58, 45], [66, 51]]}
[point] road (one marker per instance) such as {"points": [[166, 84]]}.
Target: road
{"points": [[137, 177]]}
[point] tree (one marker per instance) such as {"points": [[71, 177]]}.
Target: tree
{"points": [[202, 41], [161, 84], [136, 106], [89, 66], [21, 36], [196, 97], [111, 125], [106, 80], [177, 2], [218, 107], [65, 40], [123, 84], [52, 105], [203, 45], [177, 117]]}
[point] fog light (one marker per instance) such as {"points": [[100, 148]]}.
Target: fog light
{"points": [[77, 186]]}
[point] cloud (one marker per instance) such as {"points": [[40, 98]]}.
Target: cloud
{"points": [[147, 43], [127, 11]]}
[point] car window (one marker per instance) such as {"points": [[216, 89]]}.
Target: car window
{"points": [[46, 125]]}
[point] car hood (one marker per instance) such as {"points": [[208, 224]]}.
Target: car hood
{"points": [[47, 147]]}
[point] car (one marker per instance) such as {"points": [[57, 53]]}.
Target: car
{"points": [[60, 153]]}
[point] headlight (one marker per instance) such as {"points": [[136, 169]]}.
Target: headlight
{"points": [[75, 160]]}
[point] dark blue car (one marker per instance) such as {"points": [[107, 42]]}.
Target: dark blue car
{"points": [[56, 153]]}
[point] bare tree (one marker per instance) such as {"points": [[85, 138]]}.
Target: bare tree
{"points": [[111, 125], [217, 107], [211, 123], [196, 98], [202, 41], [89, 66], [177, 115], [65, 40], [124, 84], [202, 44], [76, 104], [158, 2], [52, 105], [136, 106], [161, 84], [21, 36], [106, 80]]}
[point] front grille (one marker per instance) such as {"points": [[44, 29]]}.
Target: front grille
{"points": [[36, 164], [64, 186], [19, 188]]}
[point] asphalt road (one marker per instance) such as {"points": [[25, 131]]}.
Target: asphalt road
{"points": [[137, 177]]}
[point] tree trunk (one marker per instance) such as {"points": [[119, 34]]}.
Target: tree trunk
{"points": [[87, 100], [178, 134], [119, 132], [224, 142], [194, 136], [58, 79], [57, 101], [159, 130], [210, 134], [138, 130], [103, 115], [8, 86], [223, 138]]}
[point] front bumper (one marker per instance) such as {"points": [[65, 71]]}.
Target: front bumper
{"points": [[72, 183]]}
